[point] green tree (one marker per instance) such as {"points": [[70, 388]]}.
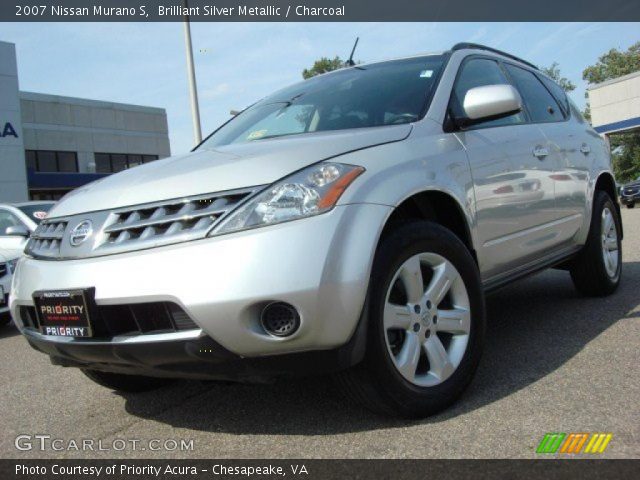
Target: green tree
{"points": [[323, 65], [626, 146], [554, 73], [614, 64]]}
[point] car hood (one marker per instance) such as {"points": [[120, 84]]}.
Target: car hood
{"points": [[632, 184], [226, 168]]}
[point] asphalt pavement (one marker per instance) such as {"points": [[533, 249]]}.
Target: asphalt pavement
{"points": [[554, 362]]}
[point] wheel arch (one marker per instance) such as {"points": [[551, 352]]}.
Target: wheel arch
{"points": [[606, 183], [436, 206]]}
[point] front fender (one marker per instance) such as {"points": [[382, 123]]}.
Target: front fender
{"points": [[423, 162]]}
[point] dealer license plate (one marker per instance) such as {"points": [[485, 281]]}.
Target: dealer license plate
{"points": [[63, 312]]}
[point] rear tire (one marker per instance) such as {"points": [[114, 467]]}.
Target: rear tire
{"points": [[126, 383], [597, 269], [445, 350]]}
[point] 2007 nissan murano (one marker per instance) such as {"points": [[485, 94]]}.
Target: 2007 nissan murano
{"points": [[350, 223]]}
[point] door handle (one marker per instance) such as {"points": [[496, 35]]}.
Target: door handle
{"points": [[540, 152], [584, 148]]}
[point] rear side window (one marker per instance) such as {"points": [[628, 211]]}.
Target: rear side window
{"points": [[540, 104], [558, 93], [479, 72], [575, 111]]}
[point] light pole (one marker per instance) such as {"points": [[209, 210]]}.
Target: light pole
{"points": [[191, 73]]}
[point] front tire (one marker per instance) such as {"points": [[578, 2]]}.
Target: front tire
{"points": [[631, 205], [126, 383], [425, 327], [597, 269]]}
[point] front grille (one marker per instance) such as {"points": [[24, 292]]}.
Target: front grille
{"points": [[133, 228], [140, 318], [164, 220], [3, 269], [47, 237]]}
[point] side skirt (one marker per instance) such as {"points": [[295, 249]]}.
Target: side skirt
{"points": [[496, 283]]}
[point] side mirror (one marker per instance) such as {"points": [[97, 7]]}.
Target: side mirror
{"points": [[490, 102], [17, 231]]}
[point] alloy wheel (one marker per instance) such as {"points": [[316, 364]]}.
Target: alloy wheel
{"points": [[609, 236], [427, 319]]}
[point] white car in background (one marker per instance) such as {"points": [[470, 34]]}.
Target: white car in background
{"points": [[17, 223], [6, 270]]}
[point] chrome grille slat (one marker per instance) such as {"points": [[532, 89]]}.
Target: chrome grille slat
{"points": [[45, 240], [137, 227], [159, 219]]}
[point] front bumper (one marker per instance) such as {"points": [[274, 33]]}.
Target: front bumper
{"points": [[320, 265], [629, 199], [191, 355]]}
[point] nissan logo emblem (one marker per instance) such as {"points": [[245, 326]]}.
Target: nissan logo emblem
{"points": [[81, 232]]}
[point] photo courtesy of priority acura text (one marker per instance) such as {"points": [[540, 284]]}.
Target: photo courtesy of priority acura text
{"points": [[365, 238]]}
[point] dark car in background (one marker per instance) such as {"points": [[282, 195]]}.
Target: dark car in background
{"points": [[630, 193]]}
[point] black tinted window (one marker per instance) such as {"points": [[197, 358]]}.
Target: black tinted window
{"points": [[51, 161], [67, 162], [479, 72], [558, 93], [31, 160], [103, 162], [541, 106], [47, 162], [135, 160], [118, 162]]}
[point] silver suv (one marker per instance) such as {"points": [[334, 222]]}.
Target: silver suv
{"points": [[351, 223]]}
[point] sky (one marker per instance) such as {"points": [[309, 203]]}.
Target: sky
{"points": [[239, 63]]}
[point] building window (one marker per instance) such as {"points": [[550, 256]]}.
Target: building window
{"points": [[50, 161], [116, 162]]}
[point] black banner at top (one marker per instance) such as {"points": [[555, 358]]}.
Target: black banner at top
{"points": [[318, 10]]}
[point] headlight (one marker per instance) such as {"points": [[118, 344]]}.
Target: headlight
{"points": [[12, 264], [311, 191]]}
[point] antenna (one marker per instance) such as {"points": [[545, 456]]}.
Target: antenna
{"points": [[350, 62]]}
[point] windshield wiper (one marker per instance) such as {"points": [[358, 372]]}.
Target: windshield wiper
{"points": [[286, 103], [276, 136]]}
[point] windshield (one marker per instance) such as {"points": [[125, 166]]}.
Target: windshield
{"points": [[388, 93], [36, 211]]}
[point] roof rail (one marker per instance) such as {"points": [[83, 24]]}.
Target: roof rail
{"points": [[477, 46]]}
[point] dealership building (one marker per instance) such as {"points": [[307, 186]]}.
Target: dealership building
{"points": [[615, 105], [50, 144]]}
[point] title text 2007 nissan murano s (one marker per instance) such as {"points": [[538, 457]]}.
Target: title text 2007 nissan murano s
{"points": [[350, 224]]}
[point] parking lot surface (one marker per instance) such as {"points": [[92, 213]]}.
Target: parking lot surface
{"points": [[554, 362]]}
